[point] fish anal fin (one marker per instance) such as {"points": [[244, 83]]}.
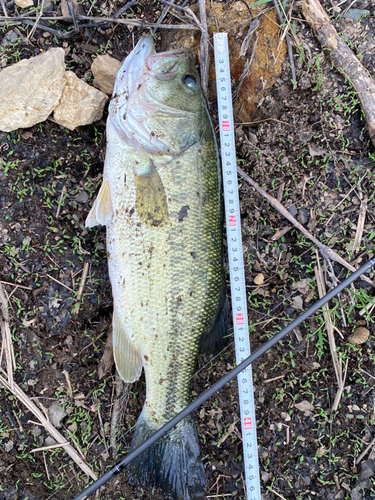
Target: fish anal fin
{"points": [[151, 201], [127, 356], [101, 211]]}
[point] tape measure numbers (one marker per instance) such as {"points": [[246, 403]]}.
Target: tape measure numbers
{"points": [[236, 265]]}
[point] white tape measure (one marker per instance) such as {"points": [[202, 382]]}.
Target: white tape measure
{"points": [[236, 265]]}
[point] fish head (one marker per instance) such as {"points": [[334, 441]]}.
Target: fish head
{"points": [[158, 104]]}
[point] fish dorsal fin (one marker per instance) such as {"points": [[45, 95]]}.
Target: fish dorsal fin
{"points": [[151, 202], [101, 210], [127, 356]]}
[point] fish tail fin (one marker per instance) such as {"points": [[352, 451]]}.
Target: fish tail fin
{"points": [[173, 463], [216, 338]]}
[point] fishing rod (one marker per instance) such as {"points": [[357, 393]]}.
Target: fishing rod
{"points": [[221, 383]]}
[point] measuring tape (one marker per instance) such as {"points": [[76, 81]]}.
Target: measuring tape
{"points": [[236, 265]]}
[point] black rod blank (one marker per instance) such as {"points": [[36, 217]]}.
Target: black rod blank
{"points": [[220, 383]]}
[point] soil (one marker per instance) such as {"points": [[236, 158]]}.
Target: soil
{"points": [[308, 147]]}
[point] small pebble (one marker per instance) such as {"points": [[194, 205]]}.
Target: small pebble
{"points": [[356, 14], [259, 279], [359, 336], [292, 209]]}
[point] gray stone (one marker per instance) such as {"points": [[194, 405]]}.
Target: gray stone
{"points": [[82, 197], [292, 209], [11, 36], [80, 104], [31, 89], [356, 14]]}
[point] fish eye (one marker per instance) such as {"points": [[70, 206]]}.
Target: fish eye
{"points": [[191, 81]]}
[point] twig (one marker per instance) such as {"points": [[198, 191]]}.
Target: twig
{"points": [[81, 287], [245, 71], [16, 285], [288, 41], [18, 392], [275, 492], [337, 361], [128, 22], [36, 22], [51, 447], [163, 15], [204, 47], [125, 8], [59, 203], [73, 14], [360, 226], [347, 194], [4, 7], [327, 252], [364, 452], [7, 344], [252, 29], [59, 282]]}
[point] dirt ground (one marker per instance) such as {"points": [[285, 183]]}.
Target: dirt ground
{"points": [[307, 146]]}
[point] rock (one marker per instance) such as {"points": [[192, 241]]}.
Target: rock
{"points": [[24, 3], [11, 36], [359, 336], [292, 209], [304, 406], [356, 14], [105, 68], [82, 197], [80, 104], [303, 216], [31, 89], [55, 414]]}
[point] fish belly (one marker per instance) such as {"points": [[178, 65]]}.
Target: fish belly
{"points": [[167, 279]]}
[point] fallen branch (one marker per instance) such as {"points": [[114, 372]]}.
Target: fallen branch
{"points": [[327, 252], [344, 59]]}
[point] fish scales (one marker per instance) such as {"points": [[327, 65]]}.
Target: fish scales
{"points": [[161, 202]]}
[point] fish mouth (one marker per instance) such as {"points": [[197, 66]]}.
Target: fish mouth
{"points": [[134, 65]]}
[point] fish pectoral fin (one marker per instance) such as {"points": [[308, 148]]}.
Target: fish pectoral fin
{"points": [[101, 210], [151, 201], [127, 356]]}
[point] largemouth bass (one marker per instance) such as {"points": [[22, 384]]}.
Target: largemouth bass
{"points": [[161, 202]]}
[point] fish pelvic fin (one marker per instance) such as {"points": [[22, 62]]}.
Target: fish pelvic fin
{"points": [[173, 463], [101, 211], [151, 201], [127, 355]]}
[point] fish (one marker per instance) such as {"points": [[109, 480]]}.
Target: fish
{"points": [[161, 202]]}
